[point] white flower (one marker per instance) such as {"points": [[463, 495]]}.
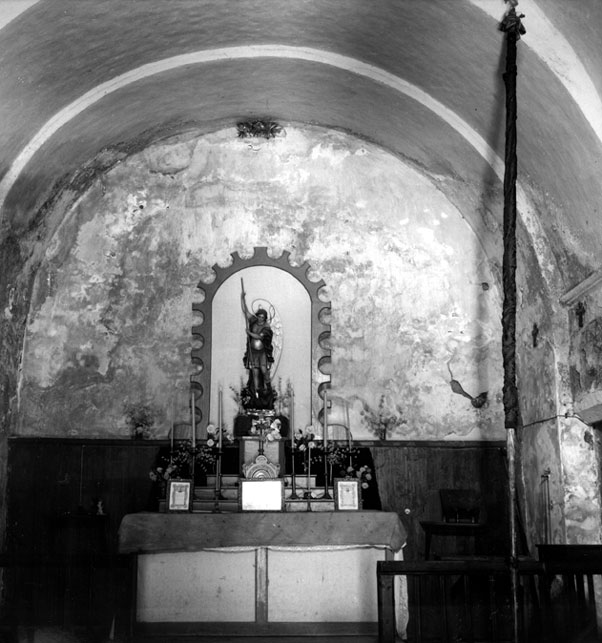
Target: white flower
{"points": [[210, 442], [211, 429]]}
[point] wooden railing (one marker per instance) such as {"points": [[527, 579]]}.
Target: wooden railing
{"points": [[557, 598]]}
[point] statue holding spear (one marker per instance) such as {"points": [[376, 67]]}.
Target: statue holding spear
{"points": [[259, 353]]}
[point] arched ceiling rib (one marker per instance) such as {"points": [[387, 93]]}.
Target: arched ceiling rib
{"points": [[555, 50], [345, 63], [353, 70], [321, 57]]}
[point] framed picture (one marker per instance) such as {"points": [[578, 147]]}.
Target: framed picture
{"points": [[346, 494], [262, 494], [179, 495]]}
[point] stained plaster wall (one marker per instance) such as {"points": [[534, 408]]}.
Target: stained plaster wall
{"points": [[537, 442], [414, 302], [558, 449], [581, 443]]}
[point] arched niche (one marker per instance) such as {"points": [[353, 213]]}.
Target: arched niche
{"points": [[302, 320]]}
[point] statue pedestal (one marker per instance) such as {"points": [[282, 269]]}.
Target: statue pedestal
{"points": [[261, 458], [243, 423]]}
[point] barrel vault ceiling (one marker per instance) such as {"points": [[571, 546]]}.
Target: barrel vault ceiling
{"points": [[83, 84]]}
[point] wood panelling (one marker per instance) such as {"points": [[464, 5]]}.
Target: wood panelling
{"points": [[411, 475], [63, 557], [64, 563]]}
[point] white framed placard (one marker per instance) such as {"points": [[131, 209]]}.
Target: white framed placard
{"points": [[179, 495], [346, 494], [263, 494]]}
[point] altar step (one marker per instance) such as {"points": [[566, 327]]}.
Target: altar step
{"points": [[231, 491], [225, 638], [232, 480], [204, 498], [232, 506]]}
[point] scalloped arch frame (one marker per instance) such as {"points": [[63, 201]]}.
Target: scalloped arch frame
{"points": [[200, 381]]}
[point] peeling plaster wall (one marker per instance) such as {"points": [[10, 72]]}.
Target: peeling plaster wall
{"points": [[586, 354], [414, 302], [553, 442], [581, 448]]}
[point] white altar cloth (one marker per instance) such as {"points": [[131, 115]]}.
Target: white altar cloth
{"points": [[264, 586]]}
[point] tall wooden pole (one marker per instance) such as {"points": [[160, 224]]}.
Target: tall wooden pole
{"points": [[513, 28]]}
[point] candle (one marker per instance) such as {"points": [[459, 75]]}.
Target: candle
{"points": [[171, 428], [325, 438], [292, 419], [219, 415], [326, 493], [193, 419]]}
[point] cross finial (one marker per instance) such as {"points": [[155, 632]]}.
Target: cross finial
{"points": [[512, 21]]}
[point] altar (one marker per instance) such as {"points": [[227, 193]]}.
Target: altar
{"points": [[259, 573]]}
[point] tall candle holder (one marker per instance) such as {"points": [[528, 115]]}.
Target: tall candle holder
{"points": [[218, 461], [294, 495], [193, 434], [326, 495], [308, 480]]}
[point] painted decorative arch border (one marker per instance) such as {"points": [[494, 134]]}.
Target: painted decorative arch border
{"points": [[200, 381]]}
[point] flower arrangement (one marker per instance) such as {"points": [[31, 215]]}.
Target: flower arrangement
{"points": [[270, 431], [305, 439], [307, 444], [381, 420], [338, 456], [213, 435], [175, 464], [205, 455], [364, 473], [139, 418], [245, 400], [284, 397]]}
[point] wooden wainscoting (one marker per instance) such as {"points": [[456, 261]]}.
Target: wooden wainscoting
{"points": [[63, 567], [410, 475]]}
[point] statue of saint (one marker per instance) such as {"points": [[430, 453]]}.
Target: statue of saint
{"points": [[259, 356]]}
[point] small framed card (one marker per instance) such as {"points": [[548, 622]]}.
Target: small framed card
{"points": [[179, 495], [262, 494], [346, 494]]}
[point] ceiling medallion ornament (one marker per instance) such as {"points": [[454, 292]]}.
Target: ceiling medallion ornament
{"points": [[258, 129]]}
